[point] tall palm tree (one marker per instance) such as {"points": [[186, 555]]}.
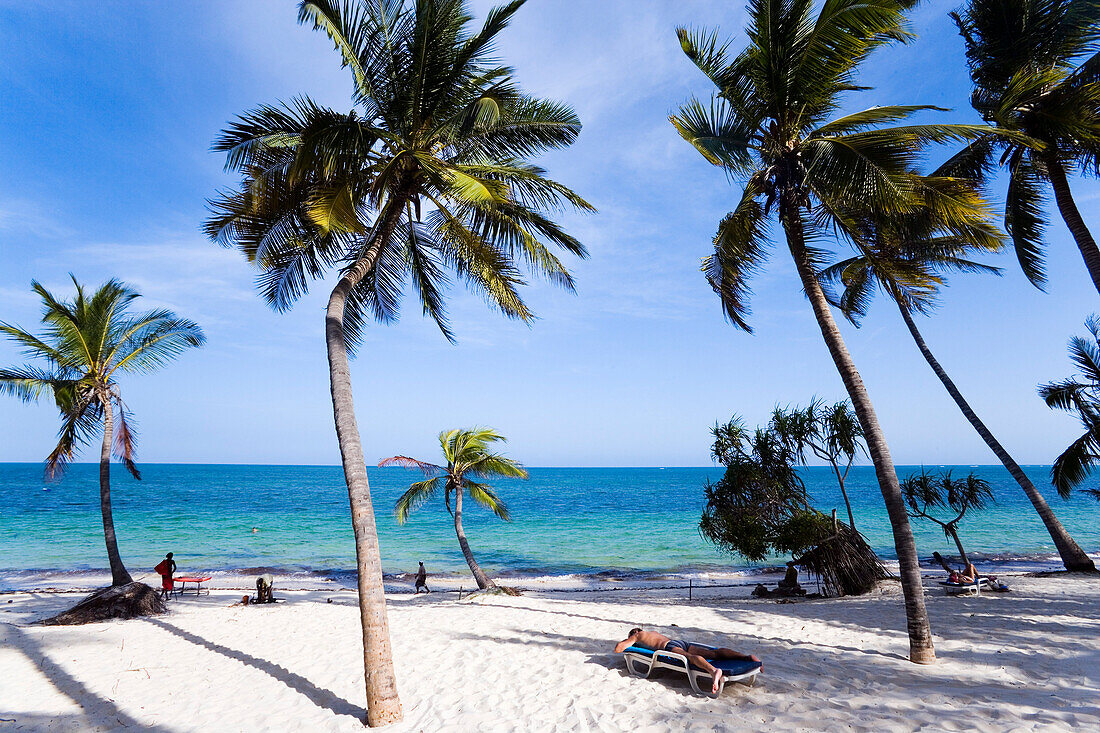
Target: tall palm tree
{"points": [[1081, 395], [1035, 65], [769, 125], [86, 343], [428, 173], [469, 456], [909, 257]]}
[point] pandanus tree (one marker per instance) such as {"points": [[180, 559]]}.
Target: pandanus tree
{"points": [[759, 506], [926, 493], [427, 175], [830, 432], [85, 344], [909, 258], [769, 125], [1081, 395], [469, 456], [1035, 65]]}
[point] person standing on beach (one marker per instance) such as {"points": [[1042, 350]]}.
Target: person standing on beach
{"points": [[166, 568], [422, 579]]}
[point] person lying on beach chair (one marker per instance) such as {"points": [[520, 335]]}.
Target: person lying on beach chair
{"points": [[694, 652]]}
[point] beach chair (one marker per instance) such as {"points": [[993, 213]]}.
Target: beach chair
{"points": [[957, 589], [642, 662]]}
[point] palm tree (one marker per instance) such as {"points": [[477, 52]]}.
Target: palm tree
{"points": [[468, 457], [1036, 70], [830, 432], [85, 344], [925, 492], [428, 173], [908, 257], [769, 125], [1083, 397]]}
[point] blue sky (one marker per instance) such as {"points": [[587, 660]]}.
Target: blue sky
{"points": [[108, 111]]}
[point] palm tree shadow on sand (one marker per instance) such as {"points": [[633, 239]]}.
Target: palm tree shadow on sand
{"points": [[319, 696], [96, 712]]}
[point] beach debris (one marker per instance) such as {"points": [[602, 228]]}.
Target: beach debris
{"points": [[130, 600]]}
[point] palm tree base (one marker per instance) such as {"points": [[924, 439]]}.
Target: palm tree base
{"points": [[922, 656], [132, 600], [384, 712]]}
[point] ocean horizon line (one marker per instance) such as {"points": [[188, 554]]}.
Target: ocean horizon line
{"points": [[529, 466]]}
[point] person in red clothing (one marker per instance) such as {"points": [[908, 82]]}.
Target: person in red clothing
{"points": [[165, 569]]}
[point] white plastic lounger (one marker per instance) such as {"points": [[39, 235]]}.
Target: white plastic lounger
{"points": [[642, 662], [954, 589]]}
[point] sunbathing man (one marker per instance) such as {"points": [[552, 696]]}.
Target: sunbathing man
{"points": [[694, 652]]}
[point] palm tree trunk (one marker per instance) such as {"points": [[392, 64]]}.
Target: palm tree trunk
{"points": [[1073, 557], [921, 649], [1071, 216], [383, 704], [119, 574], [958, 544], [844, 493], [483, 580]]}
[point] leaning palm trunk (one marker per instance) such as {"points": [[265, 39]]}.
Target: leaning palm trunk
{"points": [[119, 574], [921, 650], [959, 545], [1066, 206], [1073, 557], [483, 580], [383, 704]]}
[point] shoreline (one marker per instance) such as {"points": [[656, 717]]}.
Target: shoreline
{"points": [[15, 581]]}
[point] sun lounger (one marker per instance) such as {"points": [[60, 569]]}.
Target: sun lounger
{"points": [[954, 589], [642, 662]]}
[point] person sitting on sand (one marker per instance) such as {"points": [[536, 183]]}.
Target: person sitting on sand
{"points": [[265, 586], [165, 569], [694, 652], [422, 579]]}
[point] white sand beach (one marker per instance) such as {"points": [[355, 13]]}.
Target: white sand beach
{"points": [[1026, 660]]}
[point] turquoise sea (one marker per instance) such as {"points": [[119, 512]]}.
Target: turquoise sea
{"points": [[621, 522]]}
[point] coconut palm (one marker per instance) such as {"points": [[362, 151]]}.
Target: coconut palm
{"points": [[830, 432], [86, 344], [909, 257], [925, 492], [428, 174], [1080, 395], [769, 126], [1036, 70], [469, 456]]}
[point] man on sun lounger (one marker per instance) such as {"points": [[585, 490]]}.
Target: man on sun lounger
{"points": [[694, 653]]}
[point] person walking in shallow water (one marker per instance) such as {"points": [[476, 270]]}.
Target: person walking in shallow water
{"points": [[422, 579]]}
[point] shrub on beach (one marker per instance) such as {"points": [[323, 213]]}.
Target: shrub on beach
{"points": [[760, 508]]}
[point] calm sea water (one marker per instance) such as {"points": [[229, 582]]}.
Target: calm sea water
{"points": [[565, 520]]}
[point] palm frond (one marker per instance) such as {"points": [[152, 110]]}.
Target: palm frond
{"points": [[418, 493], [1025, 219], [484, 495], [739, 253]]}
